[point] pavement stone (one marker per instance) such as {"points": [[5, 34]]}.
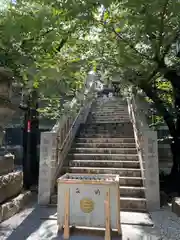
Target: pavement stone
{"points": [[34, 223]]}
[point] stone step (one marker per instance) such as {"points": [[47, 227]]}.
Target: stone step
{"points": [[106, 111], [107, 135], [101, 156], [105, 150], [131, 181], [131, 191], [133, 204], [107, 126], [100, 107], [111, 131], [104, 145], [107, 131], [126, 172], [109, 111], [126, 203], [11, 185], [109, 117], [103, 140], [104, 163], [113, 104], [107, 114], [109, 106], [117, 100], [108, 121]]}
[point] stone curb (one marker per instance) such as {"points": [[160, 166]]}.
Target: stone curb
{"points": [[12, 207]]}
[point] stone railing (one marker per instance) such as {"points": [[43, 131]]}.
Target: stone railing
{"points": [[56, 143], [137, 134], [147, 146]]}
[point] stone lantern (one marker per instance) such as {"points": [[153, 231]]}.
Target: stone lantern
{"points": [[7, 108]]}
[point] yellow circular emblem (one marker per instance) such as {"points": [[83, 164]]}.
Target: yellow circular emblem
{"points": [[87, 205]]}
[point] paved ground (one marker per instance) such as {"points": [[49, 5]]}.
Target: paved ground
{"points": [[34, 224]]}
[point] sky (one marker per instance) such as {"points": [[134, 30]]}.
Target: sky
{"points": [[2, 3]]}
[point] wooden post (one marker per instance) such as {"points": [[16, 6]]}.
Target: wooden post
{"points": [[107, 216], [118, 210], [66, 214]]}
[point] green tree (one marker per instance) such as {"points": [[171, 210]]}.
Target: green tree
{"points": [[43, 46], [138, 40]]}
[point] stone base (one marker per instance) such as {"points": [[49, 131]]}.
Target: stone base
{"points": [[176, 206], [12, 207], [10, 185], [6, 164]]}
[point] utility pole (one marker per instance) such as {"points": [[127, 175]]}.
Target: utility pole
{"points": [[34, 141], [26, 148], [30, 140]]}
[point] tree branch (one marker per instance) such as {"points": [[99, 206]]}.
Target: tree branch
{"points": [[37, 37], [153, 74], [163, 14], [168, 118], [61, 44], [169, 45], [131, 45]]}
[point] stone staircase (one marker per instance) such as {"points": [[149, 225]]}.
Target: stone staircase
{"points": [[12, 196], [105, 144]]}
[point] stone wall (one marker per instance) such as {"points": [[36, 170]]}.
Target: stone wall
{"points": [[165, 157]]}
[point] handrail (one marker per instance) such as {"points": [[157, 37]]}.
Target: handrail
{"points": [[73, 102], [146, 141], [67, 135], [131, 108], [79, 112]]}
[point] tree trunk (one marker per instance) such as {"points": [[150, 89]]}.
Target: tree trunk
{"points": [[174, 129], [168, 118], [175, 145]]}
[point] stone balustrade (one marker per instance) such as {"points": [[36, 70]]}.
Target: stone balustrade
{"points": [[56, 143], [147, 145]]}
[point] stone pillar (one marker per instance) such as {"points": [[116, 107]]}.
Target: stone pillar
{"points": [[150, 147], [47, 165], [85, 112]]}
